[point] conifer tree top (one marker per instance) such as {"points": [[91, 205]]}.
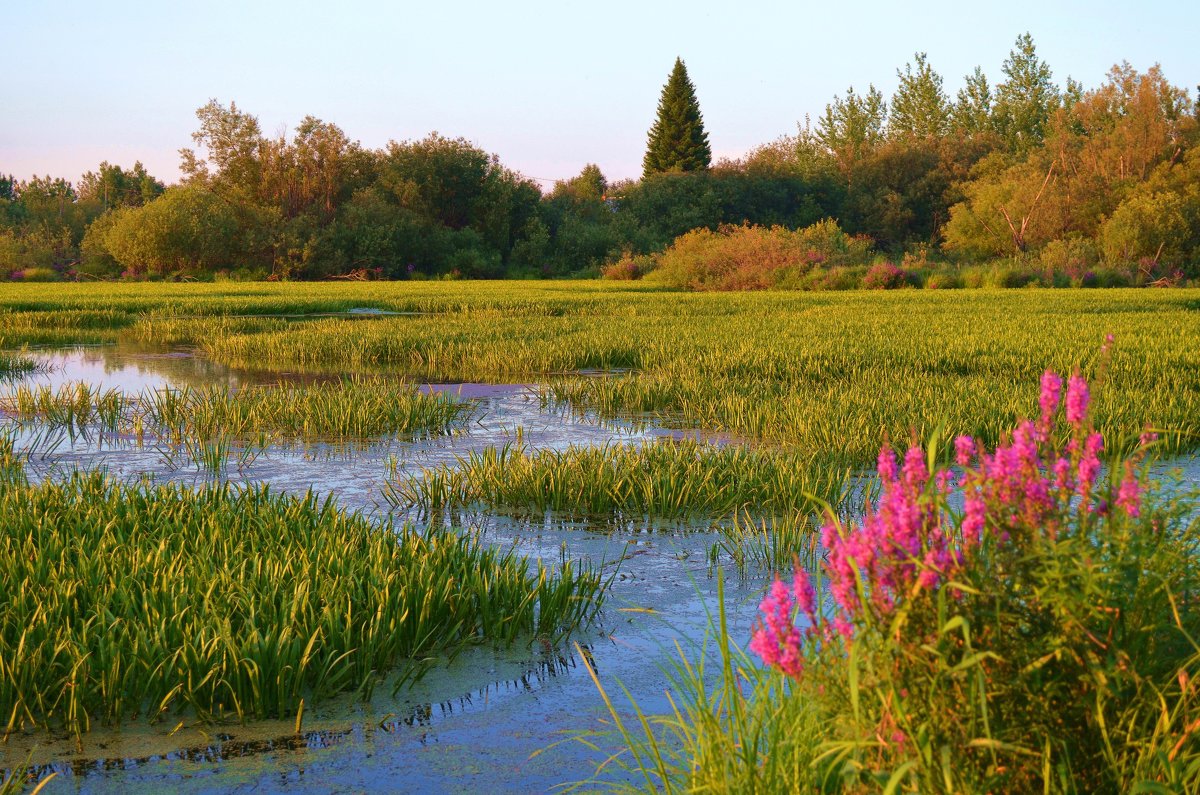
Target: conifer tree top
{"points": [[677, 141]]}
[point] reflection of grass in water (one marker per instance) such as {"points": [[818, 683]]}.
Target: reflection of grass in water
{"points": [[125, 601], [16, 365]]}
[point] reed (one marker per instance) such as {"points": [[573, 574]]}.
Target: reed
{"points": [[125, 601], [345, 409], [669, 480]]}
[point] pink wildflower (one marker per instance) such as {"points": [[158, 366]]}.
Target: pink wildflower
{"points": [[1089, 463], [1051, 391], [974, 520], [802, 590], [1129, 496], [964, 450], [1077, 400], [886, 465], [777, 640]]}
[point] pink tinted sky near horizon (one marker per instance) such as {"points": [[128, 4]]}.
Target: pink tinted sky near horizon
{"points": [[548, 86]]}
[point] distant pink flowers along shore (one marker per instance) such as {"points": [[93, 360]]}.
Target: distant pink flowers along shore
{"points": [[910, 544]]}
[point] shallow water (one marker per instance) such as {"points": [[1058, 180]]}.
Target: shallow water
{"points": [[489, 721]]}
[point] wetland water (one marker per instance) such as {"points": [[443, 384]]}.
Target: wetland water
{"points": [[485, 721]]}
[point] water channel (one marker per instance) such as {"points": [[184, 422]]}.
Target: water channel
{"points": [[487, 721]]}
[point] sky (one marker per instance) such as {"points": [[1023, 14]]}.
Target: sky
{"points": [[547, 86]]}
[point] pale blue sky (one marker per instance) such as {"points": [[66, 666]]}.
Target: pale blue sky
{"points": [[549, 86]]}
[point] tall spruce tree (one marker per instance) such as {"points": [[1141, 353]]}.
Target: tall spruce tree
{"points": [[678, 141]]}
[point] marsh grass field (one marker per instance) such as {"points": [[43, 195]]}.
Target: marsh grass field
{"points": [[227, 600]]}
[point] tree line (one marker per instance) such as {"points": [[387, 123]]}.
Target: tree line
{"points": [[1024, 168]]}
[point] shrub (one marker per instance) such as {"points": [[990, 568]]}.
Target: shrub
{"points": [[1146, 225], [886, 276], [628, 268], [1010, 276], [1073, 257], [757, 258], [839, 277], [38, 275], [1114, 277]]}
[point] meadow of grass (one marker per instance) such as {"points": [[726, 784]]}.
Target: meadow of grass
{"points": [[829, 374], [128, 600]]}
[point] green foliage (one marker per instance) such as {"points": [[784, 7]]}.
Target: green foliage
{"points": [[673, 480], [972, 112], [115, 187], [350, 409], [1151, 226], [854, 124], [1026, 99], [919, 108], [677, 141], [655, 211], [189, 229], [1003, 171]]}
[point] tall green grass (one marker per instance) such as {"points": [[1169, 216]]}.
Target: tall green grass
{"points": [[672, 480], [732, 727], [124, 601], [349, 408], [765, 505]]}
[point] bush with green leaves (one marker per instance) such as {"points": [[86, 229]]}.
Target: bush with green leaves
{"points": [[754, 257], [1024, 621]]}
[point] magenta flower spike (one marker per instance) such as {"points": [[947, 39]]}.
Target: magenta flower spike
{"points": [[1077, 400]]}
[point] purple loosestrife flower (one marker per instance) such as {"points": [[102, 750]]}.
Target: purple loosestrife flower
{"points": [[915, 473], [802, 590], [777, 640], [974, 520], [1062, 475], [1129, 496], [1051, 392], [1089, 463], [908, 544], [886, 465], [1077, 400], [964, 450]]}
